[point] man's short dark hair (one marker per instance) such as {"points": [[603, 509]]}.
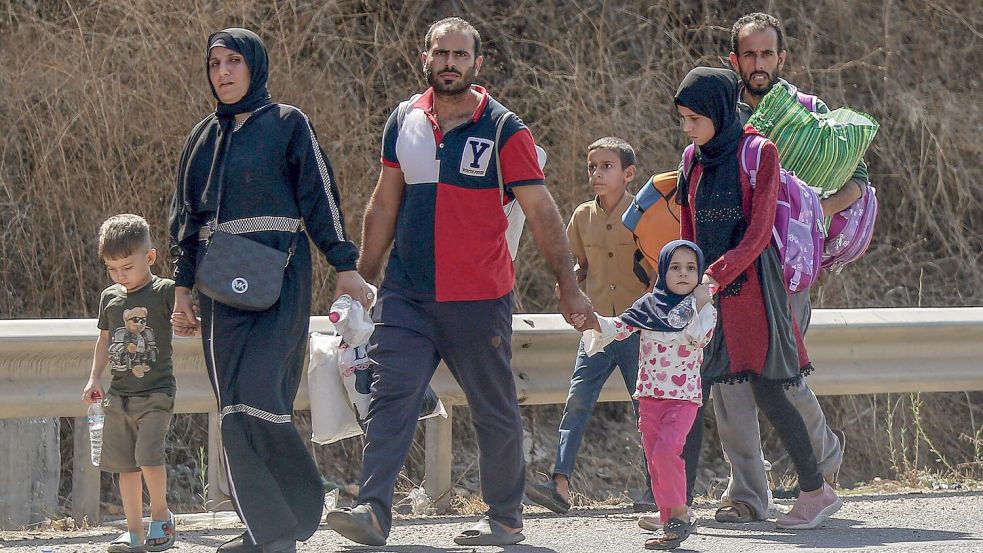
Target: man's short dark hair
{"points": [[453, 24], [123, 235], [620, 146], [757, 22]]}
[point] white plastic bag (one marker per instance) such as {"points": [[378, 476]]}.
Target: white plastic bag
{"points": [[355, 326], [340, 375], [355, 370], [332, 415]]}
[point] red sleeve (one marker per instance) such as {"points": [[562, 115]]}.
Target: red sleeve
{"points": [[519, 163], [764, 202]]}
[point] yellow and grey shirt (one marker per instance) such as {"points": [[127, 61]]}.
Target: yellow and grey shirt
{"points": [[608, 246]]}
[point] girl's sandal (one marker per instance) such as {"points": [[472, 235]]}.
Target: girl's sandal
{"points": [[125, 543], [678, 530], [161, 535]]}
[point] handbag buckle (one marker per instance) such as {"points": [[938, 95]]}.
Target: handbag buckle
{"points": [[209, 229]]}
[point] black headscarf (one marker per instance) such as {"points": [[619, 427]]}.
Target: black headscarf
{"points": [[720, 221], [651, 311], [253, 50], [195, 204]]}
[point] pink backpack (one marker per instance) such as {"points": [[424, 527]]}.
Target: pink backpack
{"points": [[798, 229], [850, 232]]}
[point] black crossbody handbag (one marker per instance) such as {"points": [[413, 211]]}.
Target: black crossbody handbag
{"points": [[240, 272]]}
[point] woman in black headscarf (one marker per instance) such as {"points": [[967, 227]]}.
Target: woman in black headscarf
{"points": [[257, 168], [756, 338]]}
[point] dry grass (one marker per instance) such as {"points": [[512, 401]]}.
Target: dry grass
{"points": [[97, 96]]}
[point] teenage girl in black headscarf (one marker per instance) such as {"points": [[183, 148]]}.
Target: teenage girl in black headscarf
{"points": [[756, 338], [276, 184]]}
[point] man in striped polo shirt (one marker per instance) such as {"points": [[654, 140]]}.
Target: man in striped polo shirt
{"points": [[447, 292]]}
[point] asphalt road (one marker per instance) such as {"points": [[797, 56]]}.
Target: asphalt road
{"points": [[933, 521]]}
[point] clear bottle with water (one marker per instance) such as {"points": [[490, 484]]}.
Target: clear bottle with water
{"points": [[96, 419], [681, 315]]}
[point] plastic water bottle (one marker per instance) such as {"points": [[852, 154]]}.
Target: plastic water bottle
{"points": [[683, 313], [340, 308], [96, 419]]}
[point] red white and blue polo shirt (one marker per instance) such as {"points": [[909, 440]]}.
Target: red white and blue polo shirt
{"points": [[450, 232]]}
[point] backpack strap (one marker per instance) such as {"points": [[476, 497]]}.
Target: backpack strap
{"points": [[498, 158], [751, 157], [688, 154], [636, 266], [403, 108]]}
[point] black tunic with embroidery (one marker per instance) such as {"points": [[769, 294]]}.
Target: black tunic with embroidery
{"points": [[273, 174]]}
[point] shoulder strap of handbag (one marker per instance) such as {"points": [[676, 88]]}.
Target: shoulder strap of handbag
{"points": [[218, 199]]}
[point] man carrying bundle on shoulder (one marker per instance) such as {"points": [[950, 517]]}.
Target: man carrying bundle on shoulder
{"points": [[758, 57]]}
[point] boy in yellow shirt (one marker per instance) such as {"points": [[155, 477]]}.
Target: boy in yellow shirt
{"points": [[604, 250]]}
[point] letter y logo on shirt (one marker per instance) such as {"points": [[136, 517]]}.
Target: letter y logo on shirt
{"points": [[477, 153]]}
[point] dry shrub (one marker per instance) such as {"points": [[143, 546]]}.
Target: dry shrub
{"points": [[97, 96]]}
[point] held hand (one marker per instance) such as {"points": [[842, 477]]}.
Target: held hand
{"points": [[184, 319], [92, 392], [702, 296], [573, 301], [826, 206], [578, 319], [712, 285], [590, 323], [185, 325], [352, 283]]}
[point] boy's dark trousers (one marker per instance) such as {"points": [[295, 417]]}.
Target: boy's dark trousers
{"points": [[474, 339]]}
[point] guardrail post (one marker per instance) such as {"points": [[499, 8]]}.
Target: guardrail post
{"points": [[85, 477], [438, 457], [217, 498]]}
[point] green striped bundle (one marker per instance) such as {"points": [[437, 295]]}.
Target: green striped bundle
{"points": [[822, 149]]}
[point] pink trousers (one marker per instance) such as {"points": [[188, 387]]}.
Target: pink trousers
{"points": [[664, 424]]}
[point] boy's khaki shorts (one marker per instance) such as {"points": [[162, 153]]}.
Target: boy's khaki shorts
{"points": [[134, 431]]}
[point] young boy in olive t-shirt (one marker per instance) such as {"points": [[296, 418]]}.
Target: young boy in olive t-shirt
{"points": [[135, 341]]}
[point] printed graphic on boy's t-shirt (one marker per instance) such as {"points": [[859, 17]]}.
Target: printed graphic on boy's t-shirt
{"points": [[133, 347]]}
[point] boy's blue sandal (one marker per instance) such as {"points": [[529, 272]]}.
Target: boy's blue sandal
{"points": [[547, 496], [161, 530], [126, 543]]}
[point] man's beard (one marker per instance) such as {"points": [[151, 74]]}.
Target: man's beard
{"points": [[453, 89], [762, 90]]}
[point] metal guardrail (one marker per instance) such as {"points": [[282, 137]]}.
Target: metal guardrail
{"points": [[44, 364]]}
